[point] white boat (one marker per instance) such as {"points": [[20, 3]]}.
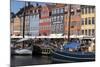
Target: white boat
{"points": [[23, 52], [16, 50]]}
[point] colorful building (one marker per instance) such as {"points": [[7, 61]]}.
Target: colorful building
{"points": [[15, 26], [54, 19], [88, 20], [45, 21], [31, 21], [57, 19], [75, 15], [34, 22]]}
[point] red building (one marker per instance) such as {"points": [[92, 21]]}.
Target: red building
{"points": [[44, 21]]}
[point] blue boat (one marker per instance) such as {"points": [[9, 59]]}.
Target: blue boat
{"points": [[72, 56]]}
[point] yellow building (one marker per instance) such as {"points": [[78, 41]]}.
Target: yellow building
{"points": [[88, 20], [15, 26]]}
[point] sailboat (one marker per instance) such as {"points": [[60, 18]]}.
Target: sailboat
{"points": [[71, 53]]}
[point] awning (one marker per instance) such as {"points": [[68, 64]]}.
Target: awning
{"points": [[56, 35], [23, 39], [72, 45]]}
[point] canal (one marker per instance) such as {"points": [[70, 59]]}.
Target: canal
{"points": [[30, 60]]}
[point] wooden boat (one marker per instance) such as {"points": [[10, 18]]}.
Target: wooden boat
{"points": [[63, 56], [72, 54]]}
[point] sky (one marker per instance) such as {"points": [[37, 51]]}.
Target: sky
{"points": [[16, 5]]}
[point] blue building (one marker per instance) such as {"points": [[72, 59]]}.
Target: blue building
{"points": [[31, 22], [34, 24]]}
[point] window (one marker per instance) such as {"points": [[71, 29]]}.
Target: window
{"points": [[57, 10], [82, 32], [61, 26], [89, 10], [49, 20], [82, 10], [93, 9], [86, 10], [61, 10], [37, 11], [85, 21], [54, 18], [58, 18], [61, 18], [93, 32], [85, 32], [89, 20], [89, 31], [33, 11], [93, 20], [54, 11], [82, 21]]}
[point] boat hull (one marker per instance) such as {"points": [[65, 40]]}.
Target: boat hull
{"points": [[61, 56]]}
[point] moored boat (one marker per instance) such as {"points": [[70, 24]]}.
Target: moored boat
{"points": [[73, 52], [63, 56]]}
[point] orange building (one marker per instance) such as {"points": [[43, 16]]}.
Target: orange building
{"points": [[75, 21]]}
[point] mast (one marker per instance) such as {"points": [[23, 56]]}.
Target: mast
{"points": [[69, 22], [24, 21]]}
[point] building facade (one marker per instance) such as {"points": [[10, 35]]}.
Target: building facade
{"points": [[57, 19], [15, 26], [31, 22], [45, 21], [75, 19], [34, 22], [88, 20], [54, 19]]}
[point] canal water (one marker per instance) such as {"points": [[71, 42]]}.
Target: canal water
{"points": [[30, 60]]}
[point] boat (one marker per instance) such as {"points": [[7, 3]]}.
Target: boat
{"points": [[17, 47], [66, 56], [73, 52], [24, 51], [29, 48]]}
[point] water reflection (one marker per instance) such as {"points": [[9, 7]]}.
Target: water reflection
{"points": [[29, 60]]}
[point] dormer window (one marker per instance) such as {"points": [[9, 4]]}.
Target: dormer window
{"points": [[78, 10], [66, 12], [72, 12], [31, 11]]}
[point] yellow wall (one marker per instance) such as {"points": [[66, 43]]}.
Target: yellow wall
{"points": [[87, 15], [88, 27]]}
